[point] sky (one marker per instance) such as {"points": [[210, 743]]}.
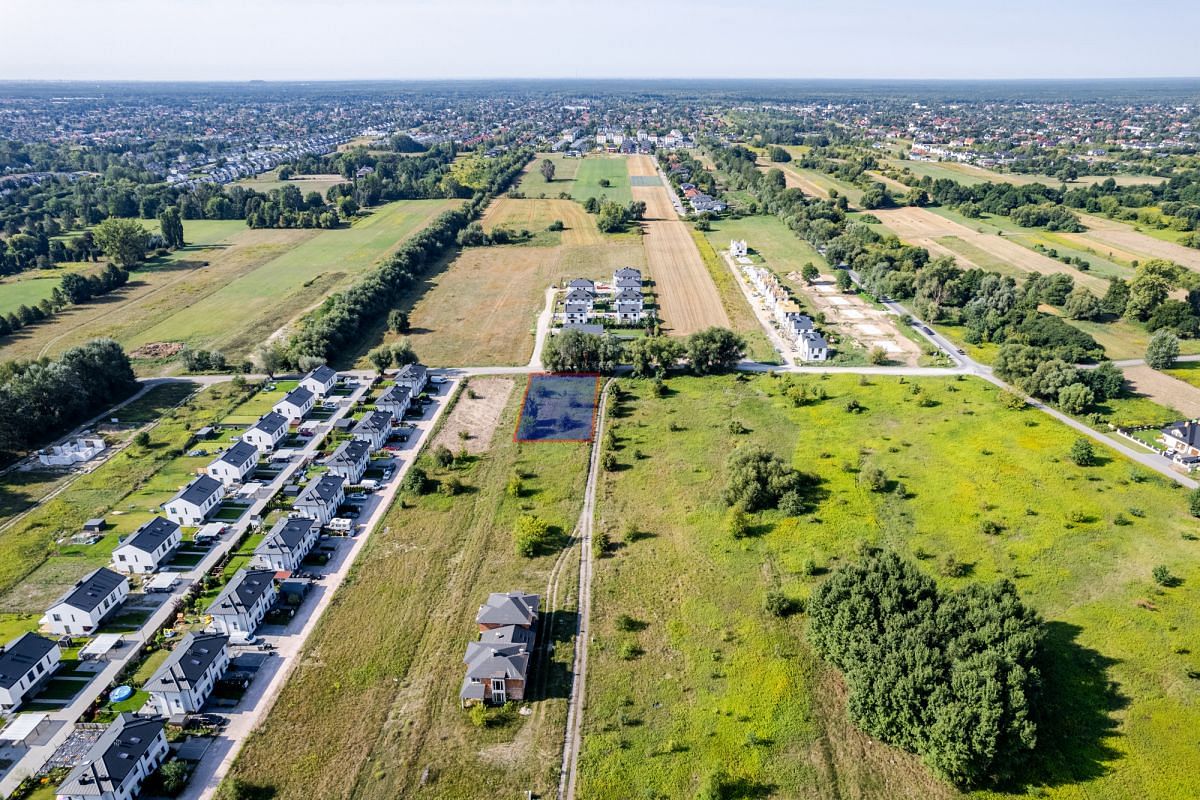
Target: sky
{"points": [[423, 39]]}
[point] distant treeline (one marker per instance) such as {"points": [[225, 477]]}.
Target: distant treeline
{"points": [[40, 400]]}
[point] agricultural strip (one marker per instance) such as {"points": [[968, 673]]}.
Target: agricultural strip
{"points": [[688, 669], [1109, 233], [687, 296], [376, 688]]}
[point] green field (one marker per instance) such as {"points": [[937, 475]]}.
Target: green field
{"points": [[708, 681], [782, 249], [579, 177], [969, 175], [533, 184], [305, 183], [376, 688]]}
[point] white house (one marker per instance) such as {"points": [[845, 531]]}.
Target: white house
{"points": [[148, 547], [578, 306], [811, 346], [25, 663], [115, 767], [321, 498], [320, 381], [244, 601], [184, 681], [296, 404], [395, 400], [234, 464], [287, 545], [194, 501], [81, 609], [738, 248], [627, 278], [350, 460], [267, 432], [75, 451], [414, 376], [374, 429], [629, 306]]}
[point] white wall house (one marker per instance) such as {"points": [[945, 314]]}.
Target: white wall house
{"points": [[244, 601], [75, 451], [629, 306], [145, 550], [25, 664], [395, 401], [286, 546], [321, 498], [234, 464], [115, 767], [811, 346], [349, 461], [195, 501], [627, 278], [414, 376], [374, 429], [185, 680], [267, 432], [578, 306], [296, 404], [737, 248], [320, 381], [81, 609]]}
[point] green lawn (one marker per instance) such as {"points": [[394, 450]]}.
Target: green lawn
{"points": [[376, 687], [782, 249], [592, 170], [533, 184], [720, 685], [240, 315]]}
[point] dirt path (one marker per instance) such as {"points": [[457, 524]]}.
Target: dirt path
{"points": [[687, 296], [921, 227], [1164, 389], [1107, 232]]}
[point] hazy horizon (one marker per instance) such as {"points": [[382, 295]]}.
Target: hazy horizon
{"points": [[411, 40]]}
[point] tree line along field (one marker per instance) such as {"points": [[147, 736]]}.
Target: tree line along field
{"points": [[376, 687], [232, 287], [689, 675]]}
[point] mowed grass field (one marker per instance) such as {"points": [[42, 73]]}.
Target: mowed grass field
{"points": [[536, 216], [376, 690], [969, 175], [579, 177], [231, 287], [305, 183], [704, 680]]}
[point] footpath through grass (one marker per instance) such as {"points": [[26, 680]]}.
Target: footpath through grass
{"points": [[375, 694], [701, 679]]}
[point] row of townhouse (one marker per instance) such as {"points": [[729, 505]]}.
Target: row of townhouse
{"points": [[498, 663], [627, 304], [795, 325]]}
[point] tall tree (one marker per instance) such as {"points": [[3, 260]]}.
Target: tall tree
{"points": [[124, 241], [547, 170], [171, 222]]}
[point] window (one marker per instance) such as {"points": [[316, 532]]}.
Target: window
{"points": [[56, 617], [121, 557]]}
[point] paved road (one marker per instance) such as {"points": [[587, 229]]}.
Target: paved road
{"points": [[289, 644], [578, 699]]}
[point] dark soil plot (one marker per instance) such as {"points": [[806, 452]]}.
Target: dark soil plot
{"points": [[558, 408]]}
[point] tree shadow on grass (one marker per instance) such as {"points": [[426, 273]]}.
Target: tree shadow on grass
{"points": [[556, 675], [1075, 719]]}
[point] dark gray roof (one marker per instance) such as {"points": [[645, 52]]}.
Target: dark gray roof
{"points": [[324, 488], [594, 330], [199, 490], [628, 295], [508, 608], [187, 663], [1186, 431], [298, 396], [394, 394], [351, 452], [322, 374], [376, 420], [92, 589], [243, 591], [814, 339], [579, 296], [286, 535], [628, 272], [20, 655], [411, 373], [114, 755], [239, 454], [151, 534], [582, 283], [272, 422]]}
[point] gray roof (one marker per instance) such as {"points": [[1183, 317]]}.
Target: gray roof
{"points": [[239, 454], [324, 488], [20, 655], [272, 422], [813, 339], [187, 663], [243, 591], [286, 535], [151, 534], [628, 272], [351, 452], [298, 396], [582, 283], [376, 420], [628, 295], [1186, 431], [91, 589], [322, 374], [114, 755], [508, 608], [395, 394], [199, 490], [594, 330], [579, 296], [411, 373]]}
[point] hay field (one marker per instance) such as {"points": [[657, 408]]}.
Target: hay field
{"points": [[1110, 233], [687, 296], [1164, 389], [536, 216]]}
